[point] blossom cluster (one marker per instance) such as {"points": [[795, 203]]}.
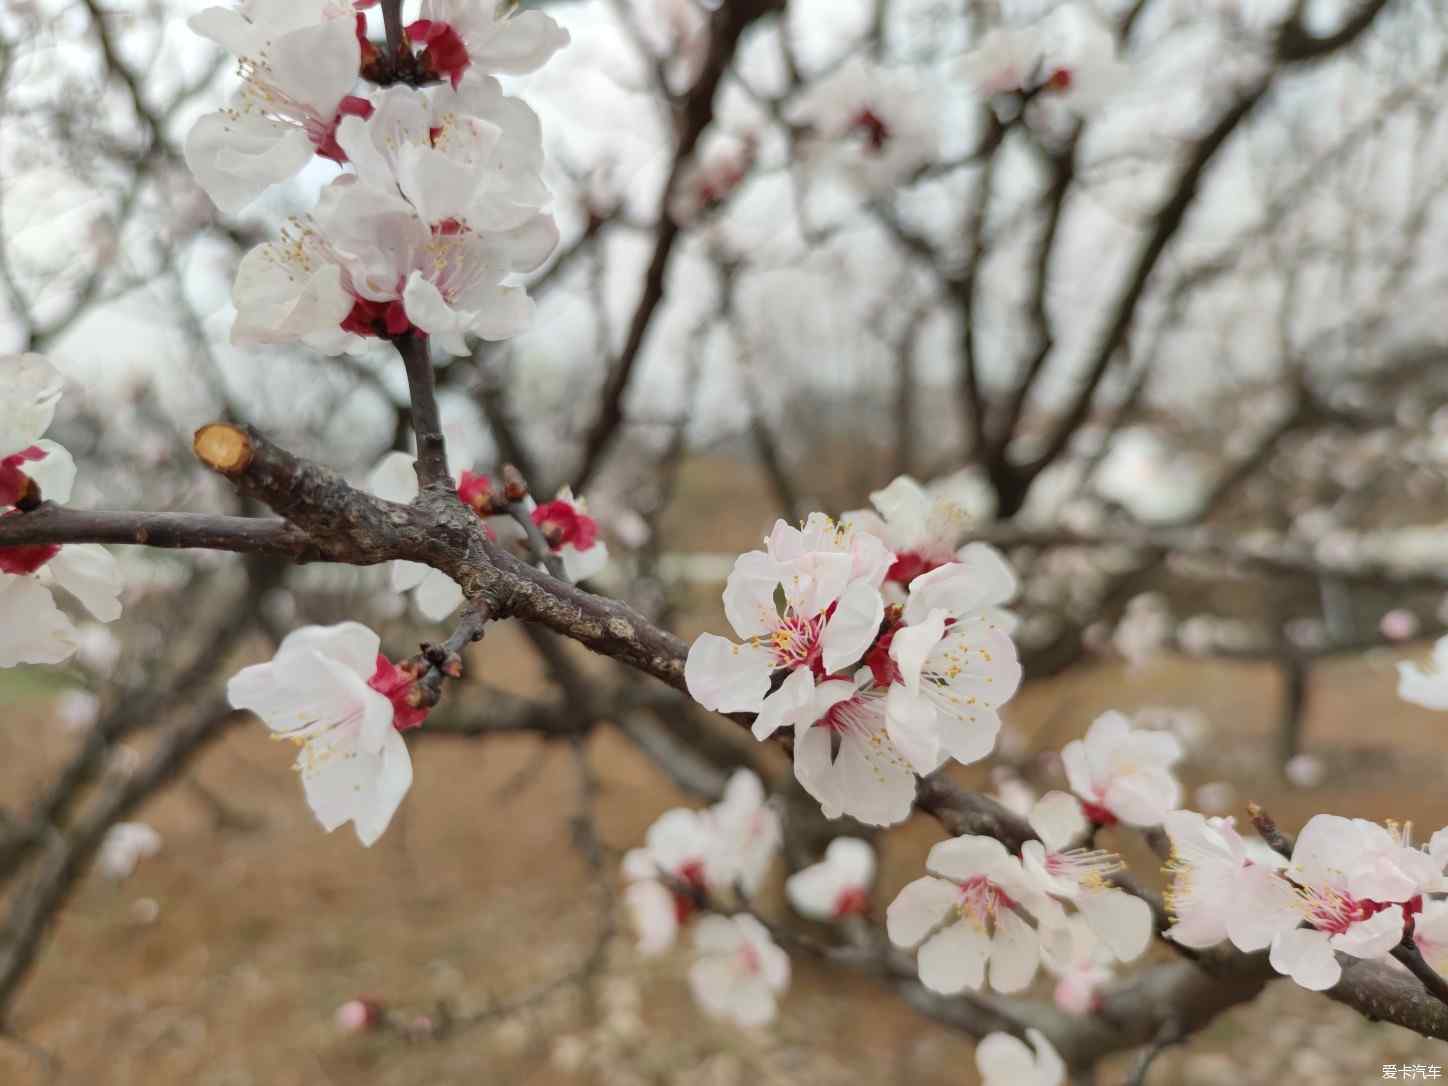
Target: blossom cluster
{"points": [[877, 640], [33, 630], [444, 204], [696, 863]]}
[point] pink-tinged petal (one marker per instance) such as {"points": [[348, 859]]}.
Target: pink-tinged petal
{"points": [[91, 574], [1306, 956], [1058, 820], [1374, 937], [1014, 953], [954, 959], [1122, 921], [852, 628], [726, 677], [920, 908], [33, 630]]}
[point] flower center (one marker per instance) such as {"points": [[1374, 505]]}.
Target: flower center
{"points": [[980, 900], [1097, 814], [691, 875], [874, 128], [852, 901]]}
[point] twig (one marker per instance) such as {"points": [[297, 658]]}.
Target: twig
{"points": [[432, 469]]}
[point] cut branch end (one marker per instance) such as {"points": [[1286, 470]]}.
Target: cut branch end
{"points": [[223, 448]]}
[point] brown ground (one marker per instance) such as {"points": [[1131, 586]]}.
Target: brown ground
{"points": [[258, 935]]}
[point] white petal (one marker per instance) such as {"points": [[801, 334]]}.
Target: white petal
{"points": [[1122, 921], [1014, 953], [236, 156], [33, 630], [919, 908], [394, 479], [962, 858], [1004, 1060], [54, 474], [727, 677], [438, 595], [30, 387], [954, 959], [91, 574], [853, 626], [580, 565], [1306, 956], [787, 706], [1059, 821], [911, 646], [405, 576], [655, 918]]}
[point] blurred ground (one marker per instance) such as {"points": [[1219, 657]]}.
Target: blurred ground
{"points": [[221, 961]]}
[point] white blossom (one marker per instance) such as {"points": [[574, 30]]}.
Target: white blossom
{"points": [[124, 846], [1120, 772], [1003, 1060], [837, 886], [330, 691], [739, 973], [1426, 688], [963, 918], [299, 63]]}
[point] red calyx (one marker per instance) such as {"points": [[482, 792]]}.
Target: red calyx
{"points": [[908, 565], [370, 52], [350, 106], [382, 319], [1060, 80], [691, 875], [395, 683], [562, 524], [14, 483], [444, 54], [27, 559], [477, 491], [877, 132], [1098, 814]]}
